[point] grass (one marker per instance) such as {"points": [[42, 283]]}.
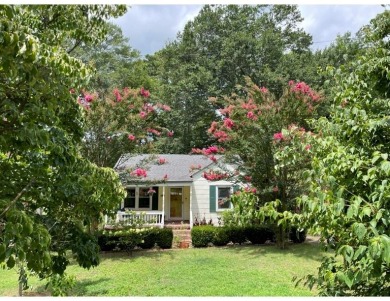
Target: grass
{"points": [[228, 271]]}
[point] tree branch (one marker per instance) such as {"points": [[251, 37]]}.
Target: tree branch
{"points": [[17, 197]]}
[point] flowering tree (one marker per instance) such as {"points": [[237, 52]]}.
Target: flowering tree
{"points": [[250, 133], [125, 122]]}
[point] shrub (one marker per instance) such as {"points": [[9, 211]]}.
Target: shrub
{"points": [[236, 234], [164, 238], [258, 234], [202, 235], [128, 239], [297, 235], [221, 236]]}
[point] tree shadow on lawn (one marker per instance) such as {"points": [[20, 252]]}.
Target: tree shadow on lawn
{"points": [[124, 256], [307, 250], [81, 287]]}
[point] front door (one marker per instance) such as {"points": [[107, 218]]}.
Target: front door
{"points": [[176, 207]]}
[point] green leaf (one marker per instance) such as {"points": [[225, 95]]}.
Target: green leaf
{"points": [[359, 230]]}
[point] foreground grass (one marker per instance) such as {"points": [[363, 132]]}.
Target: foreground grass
{"points": [[229, 271]]}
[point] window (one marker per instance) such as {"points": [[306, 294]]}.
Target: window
{"points": [[140, 198], [145, 198], [223, 198], [130, 198]]}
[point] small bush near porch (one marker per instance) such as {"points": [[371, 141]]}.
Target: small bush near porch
{"points": [[224, 271]]}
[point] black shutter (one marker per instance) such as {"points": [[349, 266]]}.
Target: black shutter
{"points": [[155, 199]]}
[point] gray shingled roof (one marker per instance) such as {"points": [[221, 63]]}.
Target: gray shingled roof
{"points": [[177, 167]]}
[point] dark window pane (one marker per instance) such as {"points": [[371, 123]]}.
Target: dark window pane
{"points": [[130, 198], [144, 198], [223, 201]]}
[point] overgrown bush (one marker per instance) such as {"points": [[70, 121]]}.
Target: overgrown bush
{"points": [[202, 235]]}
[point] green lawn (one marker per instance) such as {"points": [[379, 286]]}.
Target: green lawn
{"points": [[228, 271]]}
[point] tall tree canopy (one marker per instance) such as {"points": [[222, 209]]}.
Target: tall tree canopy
{"points": [[116, 63], [216, 51], [41, 127]]}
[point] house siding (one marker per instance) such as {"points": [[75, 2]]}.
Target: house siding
{"points": [[201, 199]]}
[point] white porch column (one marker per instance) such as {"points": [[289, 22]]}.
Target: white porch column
{"points": [[163, 206], [191, 222]]}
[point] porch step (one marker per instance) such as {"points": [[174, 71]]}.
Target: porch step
{"points": [[181, 235], [177, 226]]}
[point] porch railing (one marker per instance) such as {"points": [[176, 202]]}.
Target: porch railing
{"points": [[140, 218]]}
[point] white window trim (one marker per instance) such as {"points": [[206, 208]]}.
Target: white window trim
{"points": [[136, 208], [216, 197]]}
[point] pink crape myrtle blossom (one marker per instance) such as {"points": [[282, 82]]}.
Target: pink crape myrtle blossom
{"points": [[278, 136], [131, 137], [228, 123], [139, 172], [170, 133], [143, 114], [161, 161], [214, 176], [117, 95], [144, 93]]}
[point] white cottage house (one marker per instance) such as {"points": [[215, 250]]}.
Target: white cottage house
{"points": [[174, 188]]}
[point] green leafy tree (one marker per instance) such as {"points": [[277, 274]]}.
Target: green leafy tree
{"points": [[116, 63], [42, 125], [349, 199]]}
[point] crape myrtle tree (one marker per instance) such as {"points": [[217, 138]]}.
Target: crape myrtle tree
{"points": [[348, 201], [215, 51], [249, 132], [41, 128], [126, 121]]}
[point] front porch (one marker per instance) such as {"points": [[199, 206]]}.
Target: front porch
{"points": [[155, 206]]}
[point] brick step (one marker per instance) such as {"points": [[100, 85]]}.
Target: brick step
{"points": [[178, 226]]}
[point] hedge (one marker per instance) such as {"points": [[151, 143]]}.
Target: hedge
{"points": [[127, 240], [202, 236]]}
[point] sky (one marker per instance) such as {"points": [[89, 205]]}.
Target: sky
{"points": [[150, 27]]}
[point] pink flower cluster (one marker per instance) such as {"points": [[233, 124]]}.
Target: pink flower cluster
{"points": [[193, 167], [88, 97], [117, 94], [213, 127], [227, 111], [208, 151], [161, 161], [131, 137], [264, 90], [147, 107], [151, 191], [221, 136], [214, 176], [139, 172], [250, 189], [305, 89], [153, 131], [143, 114], [251, 115], [170, 133], [250, 105], [228, 123], [278, 136], [144, 93]]}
